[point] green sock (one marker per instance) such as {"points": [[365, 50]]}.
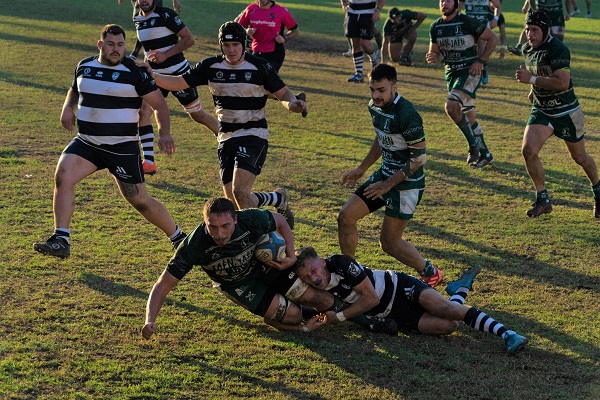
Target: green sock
{"points": [[478, 132], [466, 130], [542, 196]]}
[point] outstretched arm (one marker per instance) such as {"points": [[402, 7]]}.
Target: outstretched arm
{"points": [[289, 100], [165, 283]]}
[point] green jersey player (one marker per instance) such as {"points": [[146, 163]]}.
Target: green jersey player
{"points": [[454, 36], [399, 182], [555, 110]]}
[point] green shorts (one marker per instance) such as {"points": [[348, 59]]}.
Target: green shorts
{"points": [[256, 292], [399, 204], [568, 127], [463, 81]]}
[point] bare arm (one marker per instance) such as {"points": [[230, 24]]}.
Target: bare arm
{"points": [[418, 158], [165, 283], [67, 115], [433, 55], [186, 40], [288, 100], [420, 18], [372, 156], [367, 300], [163, 119], [176, 5], [385, 49], [290, 252], [314, 323]]}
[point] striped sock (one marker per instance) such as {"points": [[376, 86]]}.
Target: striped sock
{"points": [[358, 62], [482, 322], [62, 233], [460, 296], [147, 138], [268, 199]]}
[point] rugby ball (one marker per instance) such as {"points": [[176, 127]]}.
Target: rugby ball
{"points": [[269, 247]]}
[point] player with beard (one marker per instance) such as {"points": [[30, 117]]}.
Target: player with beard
{"points": [[108, 137], [399, 182], [555, 109], [454, 36]]}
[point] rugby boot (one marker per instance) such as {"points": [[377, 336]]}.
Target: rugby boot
{"points": [[514, 342], [539, 208], [596, 206], [473, 153], [149, 168], [483, 161], [57, 247], [284, 207], [357, 78], [465, 281]]}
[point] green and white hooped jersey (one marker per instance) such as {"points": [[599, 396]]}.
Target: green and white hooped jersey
{"points": [[549, 5], [543, 61], [457, 40], [478, 9], [397, 127]]}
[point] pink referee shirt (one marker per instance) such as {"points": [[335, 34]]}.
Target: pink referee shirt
{"points": [[268, 23]]}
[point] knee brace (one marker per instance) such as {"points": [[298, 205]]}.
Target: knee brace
{"points": [[467, 104], [295, 292], [282, 308]]}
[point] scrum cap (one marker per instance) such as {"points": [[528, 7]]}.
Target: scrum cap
{"points": [[540, 20], [232, 32], [394, 13]]}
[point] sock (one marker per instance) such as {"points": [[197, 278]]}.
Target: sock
{"points": [[378, 39], [147, 138], [349, 44], [542, 197], [478, 132], [482, 322], [358, 62], [596, 190], [308, 312], [466, 130], [460, 296], [268, 199], [62, 233], [175, 235], [429, 269]]}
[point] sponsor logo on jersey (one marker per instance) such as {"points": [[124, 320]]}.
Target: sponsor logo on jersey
{"points": [[99, 74], [115, 75], [248, 76], [86, 72]]}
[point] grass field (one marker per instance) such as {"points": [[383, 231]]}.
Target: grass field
{"points": [[70, 329]]}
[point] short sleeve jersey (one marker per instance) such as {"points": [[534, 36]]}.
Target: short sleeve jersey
{"points": [[239, 93], [346, 274], [397, 127], [553, 9], [158, 31], [269, 23], [477, 9], [551, 56], [224, 264], [457, 40], [400, 28], [109, 100]]}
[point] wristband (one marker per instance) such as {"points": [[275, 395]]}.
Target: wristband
{"points": [[285, 37], [340, 316], [305, 329], [481, 60], [379, 9], [533, 79]]}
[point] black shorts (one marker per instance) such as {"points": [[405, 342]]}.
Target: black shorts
{"points": [[275, 57], [122, 160], [185, 96], [360, 26], [406, 310], [373, 204], [246, 152]]}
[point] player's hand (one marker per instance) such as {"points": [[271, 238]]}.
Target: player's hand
{"points": [[282, 263], [376, 190], [523, 75], [316, 322], [144, 65], [432, 57], [149, 329], [350, 178], [331, 318], [67, 118], [250, 31], [156, 56], [475, 68], [298, 106], [166, 143], [176, 5], [567, 16]]}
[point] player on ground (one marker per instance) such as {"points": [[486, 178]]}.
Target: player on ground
{"points": [[555, 110], [454, 36], [108, 137], [239, 83], [399, 182], [164, 37], [223, 245], [414, 305]]}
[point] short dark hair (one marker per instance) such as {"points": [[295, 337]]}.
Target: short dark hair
{"points": [[303, 254], [113, 30], [384, 71], [219, 206]]}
